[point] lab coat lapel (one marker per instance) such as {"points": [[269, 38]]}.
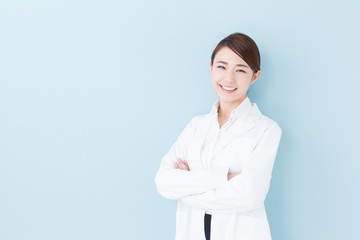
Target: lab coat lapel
{"points": [[241, 125], [239, 128], [199, 140]]}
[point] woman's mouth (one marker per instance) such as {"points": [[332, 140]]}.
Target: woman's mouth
{"points": [[227, 89]]}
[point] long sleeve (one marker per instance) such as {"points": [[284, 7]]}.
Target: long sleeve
{"points": [[248, 190], [174, 183]]}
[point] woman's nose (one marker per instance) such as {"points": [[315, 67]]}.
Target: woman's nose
{"points": [[230, 77]]}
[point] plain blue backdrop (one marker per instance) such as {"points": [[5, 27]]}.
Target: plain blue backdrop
{"points": [[94, 93]]}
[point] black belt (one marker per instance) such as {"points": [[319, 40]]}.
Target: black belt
{"points": [[207, 224]]}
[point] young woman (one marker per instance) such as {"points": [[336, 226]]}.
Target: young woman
{"points": [[219, 169]]}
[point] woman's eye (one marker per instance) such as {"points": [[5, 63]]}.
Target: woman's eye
{"points": [[221, 67], [240, 70]]}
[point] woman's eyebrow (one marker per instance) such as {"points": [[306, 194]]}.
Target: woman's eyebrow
{"points": [[240, 65]]}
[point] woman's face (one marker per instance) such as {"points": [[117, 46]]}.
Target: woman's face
{"points": [[231, 76]]}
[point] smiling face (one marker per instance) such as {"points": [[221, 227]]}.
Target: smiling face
{"points": [[231, 76]]}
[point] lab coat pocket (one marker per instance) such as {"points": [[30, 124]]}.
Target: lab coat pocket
{"points": [[238, 153]]}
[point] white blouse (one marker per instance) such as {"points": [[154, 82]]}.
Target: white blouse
{"points": [[246, 143]]}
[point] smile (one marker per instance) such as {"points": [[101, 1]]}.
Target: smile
{"points": [[227, 89]]}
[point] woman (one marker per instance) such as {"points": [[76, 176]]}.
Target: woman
{"points": [[219, 168]]}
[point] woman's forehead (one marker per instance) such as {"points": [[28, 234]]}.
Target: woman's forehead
{"points": [[226, 55]]}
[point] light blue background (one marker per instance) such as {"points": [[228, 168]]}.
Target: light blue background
{"points": [[94, 93]]}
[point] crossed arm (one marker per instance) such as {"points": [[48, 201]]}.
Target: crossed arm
{"points": [[216, 189], [183, 165]]}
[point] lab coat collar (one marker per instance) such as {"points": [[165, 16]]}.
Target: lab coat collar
{"points": [[246, 112], [240, 111]]}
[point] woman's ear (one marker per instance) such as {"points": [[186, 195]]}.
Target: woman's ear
{"points": [[255, 77], [211, 66]]}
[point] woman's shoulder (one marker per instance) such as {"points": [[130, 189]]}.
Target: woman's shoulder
{"points": [[196, 122], [262, 120], [193, 125]]}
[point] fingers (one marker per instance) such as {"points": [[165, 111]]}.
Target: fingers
{"points": [[187, 166], [177, 165], [232, 175], [181, 164]]}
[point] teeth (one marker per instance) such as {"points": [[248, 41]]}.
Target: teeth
{"points": [[226, 88]]}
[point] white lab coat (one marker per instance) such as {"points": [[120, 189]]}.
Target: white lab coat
{"points": [[237, 206]]}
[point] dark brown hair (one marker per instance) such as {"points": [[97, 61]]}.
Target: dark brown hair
{"points": [[243, 46]]}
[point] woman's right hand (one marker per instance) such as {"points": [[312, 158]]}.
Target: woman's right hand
{"points": [[182, 164]]}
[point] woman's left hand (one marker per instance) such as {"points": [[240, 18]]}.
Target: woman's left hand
{"points": [[181, 164]]}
